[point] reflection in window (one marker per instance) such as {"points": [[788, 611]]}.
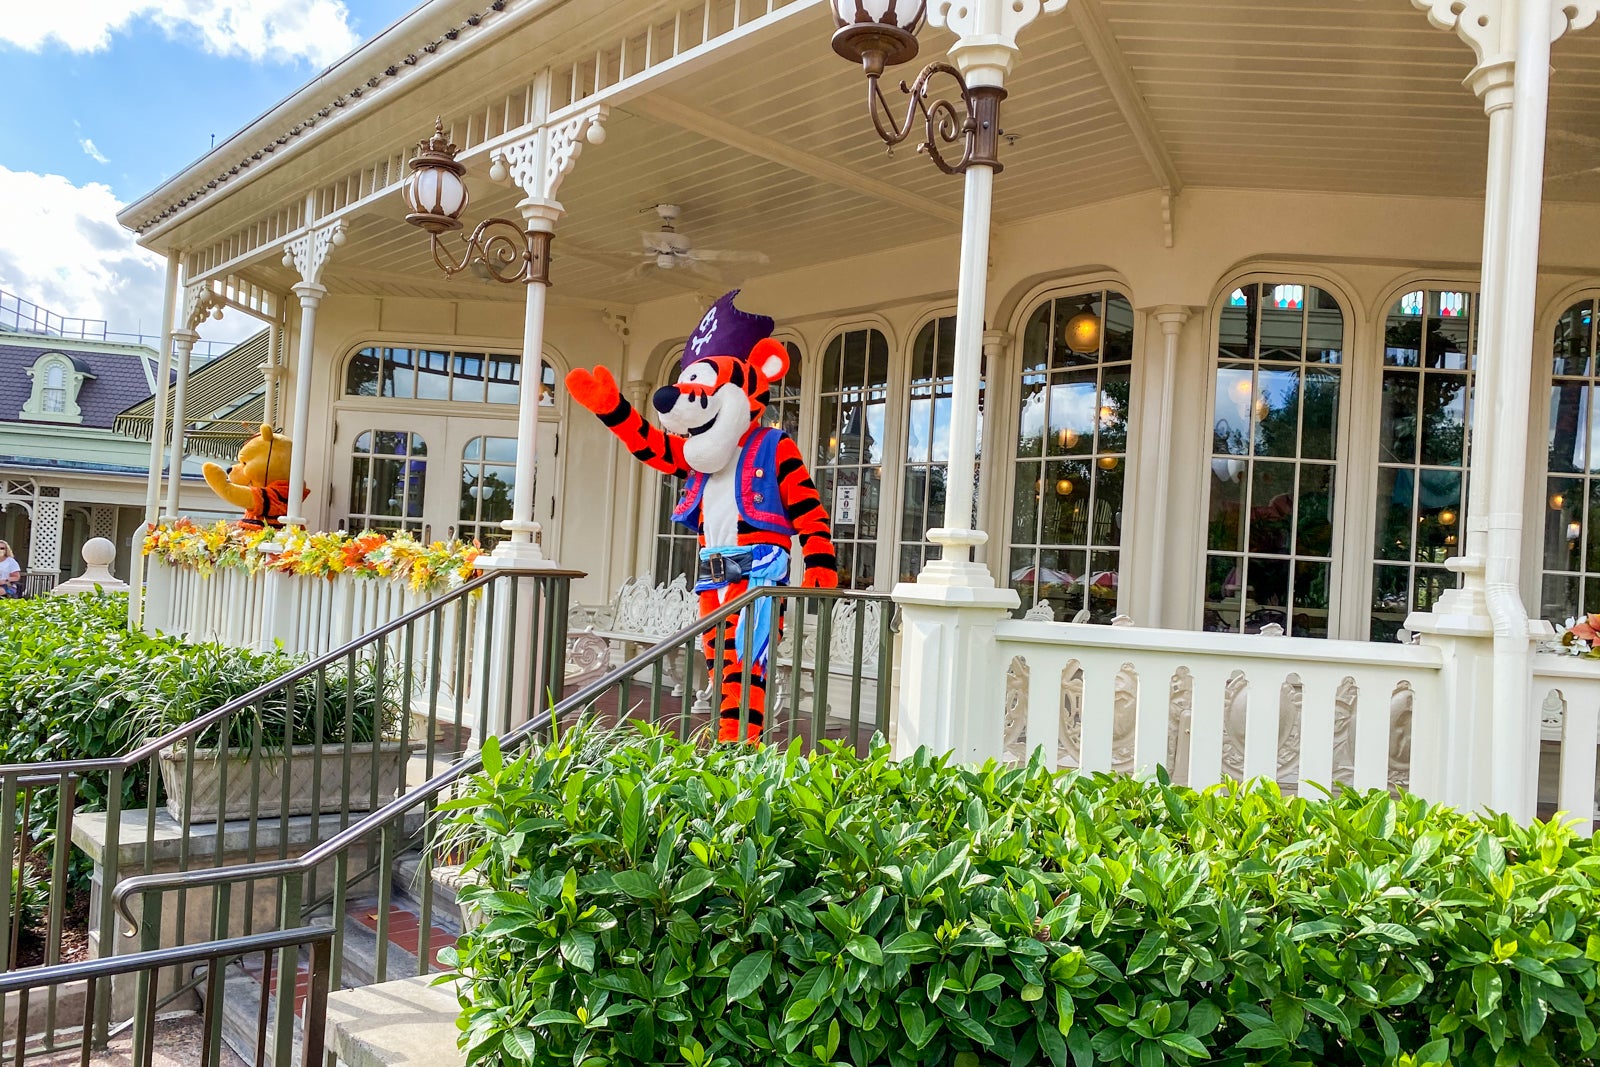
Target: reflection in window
{"points": [[433, 374], [1269, 543], [389, 472], [1072, 446], [55, 389], [1428, 349], [488, 482], [676, 546], [849, 454], [928, 443], [1572, 491]]}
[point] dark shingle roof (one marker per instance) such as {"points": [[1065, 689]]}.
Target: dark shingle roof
{"points": [[118, 376]]}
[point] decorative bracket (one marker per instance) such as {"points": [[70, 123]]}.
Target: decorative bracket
{"points": [[1482, 23], [308, 253], [964, 18], [538, 164], [200, 301], [618, 324]]}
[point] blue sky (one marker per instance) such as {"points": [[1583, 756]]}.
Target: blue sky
{"points": [[107, 98]]}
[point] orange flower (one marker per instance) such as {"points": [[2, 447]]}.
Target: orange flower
{"points": [[1587, 628]]}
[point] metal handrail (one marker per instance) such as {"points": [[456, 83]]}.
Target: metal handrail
{"points": [[325, 850], [55, 768], [156, 958]]}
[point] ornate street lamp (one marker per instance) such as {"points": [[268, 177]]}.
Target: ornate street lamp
{"points": [[883, 33], [437, 197]]}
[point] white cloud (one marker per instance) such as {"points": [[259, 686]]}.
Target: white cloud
{"points": [[92, 152], [64, 251], [316, 31]]}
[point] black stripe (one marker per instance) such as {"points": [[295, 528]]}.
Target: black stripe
{"points": [[801, 508], [789, 466], [645, 454], [617, 415], [822, 559]]}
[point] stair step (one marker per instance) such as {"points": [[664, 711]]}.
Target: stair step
{"points": [[408, 1023], [241, 1010], [360, 959]]}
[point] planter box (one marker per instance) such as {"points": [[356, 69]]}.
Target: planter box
{"points": [[387, 766]]}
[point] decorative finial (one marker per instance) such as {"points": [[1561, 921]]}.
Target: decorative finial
{"points": [[438, 142]]}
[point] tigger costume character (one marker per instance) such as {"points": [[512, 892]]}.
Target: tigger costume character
{"points": [[748, 493]]}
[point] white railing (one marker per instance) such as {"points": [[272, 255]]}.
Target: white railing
{"points": [[314, 616], [1209, 707], [1567, 692]]}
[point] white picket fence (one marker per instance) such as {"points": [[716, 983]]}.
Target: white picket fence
{"points": [[1567, 692], [315, 616]]}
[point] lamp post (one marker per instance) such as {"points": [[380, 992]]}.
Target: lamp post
{"points": [[960, 137]]}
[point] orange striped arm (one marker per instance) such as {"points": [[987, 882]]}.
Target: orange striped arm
{"points": [[803, 504], [597, 390]]}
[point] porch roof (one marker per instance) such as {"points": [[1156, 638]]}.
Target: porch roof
{"points": [[766, 146]]}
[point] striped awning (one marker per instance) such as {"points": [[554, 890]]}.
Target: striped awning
{"points": [[225, 403]]}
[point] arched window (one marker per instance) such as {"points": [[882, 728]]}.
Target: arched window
{"points": [[1072, 445], [676, 546], [852, 404], [1269, 538], [1572, 490], [927, 454], [1428, 349], [56, 381]]}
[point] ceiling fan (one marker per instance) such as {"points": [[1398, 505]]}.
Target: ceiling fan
{"points": [[667, 249]]}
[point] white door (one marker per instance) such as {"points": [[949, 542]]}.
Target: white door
{"points": [[436, 476]]}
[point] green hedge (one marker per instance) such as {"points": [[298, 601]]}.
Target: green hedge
{"points": [[651, 903], [75, 683]]}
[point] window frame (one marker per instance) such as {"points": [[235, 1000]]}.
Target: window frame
{"points": [[35, 408], [1536, 499], [1347, 585]]}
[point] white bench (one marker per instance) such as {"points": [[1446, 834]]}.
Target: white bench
{"points": [[644, 613]]}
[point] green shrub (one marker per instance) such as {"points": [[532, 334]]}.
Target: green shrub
{"points": [[75, 683], [650, 903]]}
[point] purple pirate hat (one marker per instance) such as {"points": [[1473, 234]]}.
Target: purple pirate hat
{"points": [[726, 331]]}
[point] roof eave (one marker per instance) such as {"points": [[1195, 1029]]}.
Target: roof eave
{"points": [[296, 122]]}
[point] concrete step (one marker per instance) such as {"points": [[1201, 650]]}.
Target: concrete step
{"points": [[241, 1010], [360, 958], [408, 1023]]}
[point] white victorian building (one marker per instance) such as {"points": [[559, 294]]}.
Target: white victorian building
{"points": [[1279, 319]]}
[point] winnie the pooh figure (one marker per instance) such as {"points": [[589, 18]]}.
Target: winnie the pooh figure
{"points": [[259, 482]]}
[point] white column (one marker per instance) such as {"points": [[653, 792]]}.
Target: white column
{"points": [[537, 165], [158, 422], [638, 394], [1171, 318], [307, 255], [310, 295], [271, 373], [522, 549], [1515, 733], [158, 432], [184, 339]]}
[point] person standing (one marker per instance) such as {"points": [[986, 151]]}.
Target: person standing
{"points": [[10, 572]]}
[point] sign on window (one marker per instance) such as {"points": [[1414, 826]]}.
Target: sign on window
{"points": [[844, 505]]}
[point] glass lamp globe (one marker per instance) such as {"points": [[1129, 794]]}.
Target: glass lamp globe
{"points": [[435, 192], [877, 33], [1082, 333]]}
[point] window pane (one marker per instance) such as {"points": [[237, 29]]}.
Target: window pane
{"points": [[1572, 495], [361, 376], [1067, 513], [1274, 440]]}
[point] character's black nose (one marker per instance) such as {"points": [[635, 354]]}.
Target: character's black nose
{"points": [[665, 398]]}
